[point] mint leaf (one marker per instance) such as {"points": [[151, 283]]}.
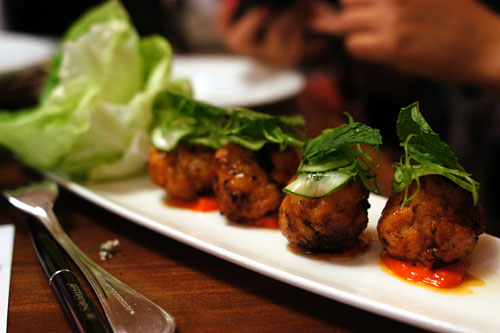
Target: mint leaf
{"points": [[331, 141], [426, 154], [339, 149], [424, 143]]}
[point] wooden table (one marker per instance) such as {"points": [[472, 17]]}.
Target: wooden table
{"points": [[202, 292]]}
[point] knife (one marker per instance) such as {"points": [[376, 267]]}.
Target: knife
{"points": [[81, 312]]}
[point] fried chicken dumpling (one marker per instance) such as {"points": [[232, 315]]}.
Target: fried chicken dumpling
{"points": [[244, 189], [284, 165], [330, 224], [185, 172], [440, 225]]}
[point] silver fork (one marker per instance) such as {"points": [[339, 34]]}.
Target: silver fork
{"points": [[126, 309]]}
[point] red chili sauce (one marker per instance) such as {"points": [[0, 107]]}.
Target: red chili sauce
{"points": [[202, 204], [210, 204], [270, 222], [450, 276]]}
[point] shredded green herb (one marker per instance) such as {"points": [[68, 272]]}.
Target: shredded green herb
{"points": [[179, 118], [425, 154]]}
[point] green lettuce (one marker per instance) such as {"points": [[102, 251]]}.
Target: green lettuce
{"points": [[95, 109], [426, 154]]}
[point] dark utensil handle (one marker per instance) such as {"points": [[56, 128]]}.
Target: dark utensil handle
{"points": [[80, 311]]}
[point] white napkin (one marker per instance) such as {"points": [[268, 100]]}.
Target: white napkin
{"points": [[6, 247]]}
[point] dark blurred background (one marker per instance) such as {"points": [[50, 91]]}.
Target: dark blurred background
{"points": [[166, 17]]}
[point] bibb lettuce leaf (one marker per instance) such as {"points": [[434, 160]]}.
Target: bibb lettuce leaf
{"points": [[95, 110]]}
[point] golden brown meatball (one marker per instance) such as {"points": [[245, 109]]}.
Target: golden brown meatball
{"points": [[284, 165], [185, 172], [440, 225], [242, 187], [329, 224]]}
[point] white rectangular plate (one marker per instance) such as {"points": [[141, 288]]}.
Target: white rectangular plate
{"points": [[359, 281]]}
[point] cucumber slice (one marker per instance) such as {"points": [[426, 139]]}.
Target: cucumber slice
{"points": [[332, 165], [317, 185]]}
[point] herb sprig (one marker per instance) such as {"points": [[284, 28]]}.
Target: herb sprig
{"points": [[179, 118], [425, 154], [338, 153]]}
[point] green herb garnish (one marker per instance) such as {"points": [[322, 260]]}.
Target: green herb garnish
{"points": [[337, 153], [425, 154], [178, 118]]}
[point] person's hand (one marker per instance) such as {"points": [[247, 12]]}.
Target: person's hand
{"points": [[452, 40], [279, 40]]}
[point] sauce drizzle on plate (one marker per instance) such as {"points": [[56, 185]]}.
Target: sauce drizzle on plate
{"points": [[206, 204], [448, 278], [270, 222], [202, 204]]}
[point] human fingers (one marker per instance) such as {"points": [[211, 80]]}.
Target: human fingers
{"points": [[225, 15], [279, 43], [288, 21], [361, 19], [348, 20], [287, 33], [370, 46], [242, 37], [324, 18]]}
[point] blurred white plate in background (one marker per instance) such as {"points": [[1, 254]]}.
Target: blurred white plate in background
{"points": [[236, 81], [20, 51]]}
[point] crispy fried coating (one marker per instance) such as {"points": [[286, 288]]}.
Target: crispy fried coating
{"points": [[440, 225], [284, 165], [243, 188], [185, 172], [330, 224]]}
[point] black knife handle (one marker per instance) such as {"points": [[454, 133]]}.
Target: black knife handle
{"points": [[80, 311]]}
